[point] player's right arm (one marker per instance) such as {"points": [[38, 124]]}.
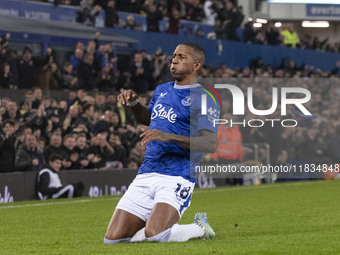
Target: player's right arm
{"points": [[141, 112]]}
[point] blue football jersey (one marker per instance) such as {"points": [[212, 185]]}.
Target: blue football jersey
{"points": [[177, 109]]}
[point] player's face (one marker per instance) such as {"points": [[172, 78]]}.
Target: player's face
{"points": [[182, 62]]}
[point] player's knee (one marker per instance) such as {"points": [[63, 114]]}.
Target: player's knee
{"points": [[155, 235], [110, 236], [113, 236], [114, 241], [150, 232]]}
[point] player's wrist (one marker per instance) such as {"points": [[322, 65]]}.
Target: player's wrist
{"points": [[134, 102]]}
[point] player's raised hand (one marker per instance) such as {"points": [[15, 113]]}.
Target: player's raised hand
{"points": [[154, 134], [127, 96]]}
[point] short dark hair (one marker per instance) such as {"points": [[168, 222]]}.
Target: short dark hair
{"points": [[100, 94], [28, 136], [42, 139], [36, 88], [10, 122], [26, 48], [23, 127], [86, 107], [55, 157], [198, 50], [81, 135], [67, 63], [68, 136]]}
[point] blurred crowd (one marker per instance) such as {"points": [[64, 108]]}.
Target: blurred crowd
{"points": [[315, 139], [92, 130], [225, 16]]}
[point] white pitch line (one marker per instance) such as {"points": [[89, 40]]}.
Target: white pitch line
{"points": [[58, 203], [196, 191]]}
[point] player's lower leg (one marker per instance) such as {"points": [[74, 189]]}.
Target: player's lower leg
{"points": [[139, 236], [199, 229], [182, 233]]}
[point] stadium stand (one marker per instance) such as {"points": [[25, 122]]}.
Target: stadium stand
{"points": [[97, 132]]}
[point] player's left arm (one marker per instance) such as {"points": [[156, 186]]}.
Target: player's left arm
{"points": [[205, 142]]}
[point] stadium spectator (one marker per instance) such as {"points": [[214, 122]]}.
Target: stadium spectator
{"points": [[71, 119], [69, 153], [99, 151], [229, 147], [81, 98], [29, 157], [137, 153], [272, 35], [114, 120], [96, 51], [68, 81], [209, 13], [290, 37], [153, 16], [87, 117], [111, 14], [181, 6], [174, 19], [3, 50], [7, 146], [88, 12], [49, 76], [7, 79], [140, 74], [194, 11], [309, 151], [28, 68], [130, 23], [317, 44], [11, 111], [87, 73], [220, 29], [81, 148], [100, 100], [111, 102], [119, 150], [129, 5], [76, 58], [161, 66], [41, 144], [259, 38], [49, 183], [249, 33], [53, 147], [24, 130], [132, 165], [105, 81], [37, 93]]}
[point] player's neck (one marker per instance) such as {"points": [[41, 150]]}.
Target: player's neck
{"points": [[187, 81]]}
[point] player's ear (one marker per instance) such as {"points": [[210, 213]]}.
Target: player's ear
{"points": [[197, 65]]}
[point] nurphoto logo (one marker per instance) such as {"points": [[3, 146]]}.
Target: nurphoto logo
{"points": [[287, 95]]}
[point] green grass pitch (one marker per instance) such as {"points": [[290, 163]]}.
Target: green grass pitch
{"points": [[290, 218]]}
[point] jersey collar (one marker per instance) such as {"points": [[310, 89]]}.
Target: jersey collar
{"points": [[186, 86]]}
